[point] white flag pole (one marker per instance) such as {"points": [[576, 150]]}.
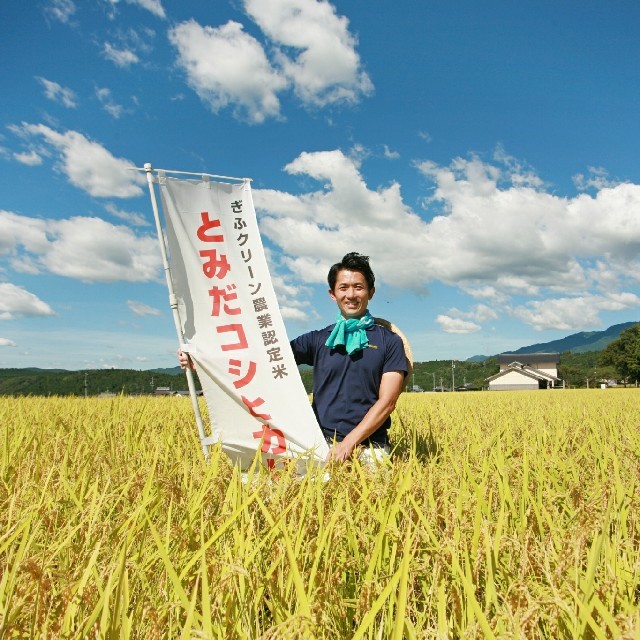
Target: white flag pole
{"points": [[173, 302]]}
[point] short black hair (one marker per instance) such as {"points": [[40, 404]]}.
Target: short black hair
{"points": [[352, 262]]}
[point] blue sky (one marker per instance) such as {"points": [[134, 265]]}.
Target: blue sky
{"points": [[484, 155]]}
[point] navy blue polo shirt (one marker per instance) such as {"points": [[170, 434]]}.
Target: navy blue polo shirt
{"points": [[345, 386]]}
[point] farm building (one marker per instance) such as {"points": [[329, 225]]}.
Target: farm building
{"points": [[525, 371]]}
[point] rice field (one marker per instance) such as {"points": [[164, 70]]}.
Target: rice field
{"points": [[503, 515]]}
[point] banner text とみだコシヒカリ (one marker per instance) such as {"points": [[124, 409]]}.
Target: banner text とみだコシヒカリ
{"points": [[232, 322]]}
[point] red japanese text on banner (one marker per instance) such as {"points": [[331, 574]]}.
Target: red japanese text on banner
{"points": [[231, 320]]}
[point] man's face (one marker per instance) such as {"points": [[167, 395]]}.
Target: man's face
{"points": [[351, 293]]}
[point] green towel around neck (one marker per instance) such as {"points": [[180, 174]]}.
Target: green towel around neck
{"points": [[350, 333]]}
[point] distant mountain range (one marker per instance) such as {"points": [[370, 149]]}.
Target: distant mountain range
{"points": [[575, 343], [171, 371], [44, 380]]}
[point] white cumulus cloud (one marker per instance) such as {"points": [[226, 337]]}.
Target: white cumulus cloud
{"points": [[154, 6], [86, 249], [492, 230], [293, 299], [6, 342], [226, 66], [114, 109], [120, 57], [142, 309], [457, 321], [87, 164], [311, 50], [58, 93], [596, 178], [573, 313], [327, 67], [133, 218], [60, 10], [456, 325], [391, 155], [17, 230], [30, 158], [17, 302]]}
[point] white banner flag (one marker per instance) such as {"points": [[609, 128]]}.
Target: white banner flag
{"points": [[233, 326]]}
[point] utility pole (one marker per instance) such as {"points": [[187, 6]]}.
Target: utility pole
{"points": [[433, 373], [85, 385], [453, 377]]}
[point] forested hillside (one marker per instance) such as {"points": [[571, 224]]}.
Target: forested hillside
{"points": [[574, 368], [56, 382]]}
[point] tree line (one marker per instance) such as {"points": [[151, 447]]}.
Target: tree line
{"points": [[623, 355], [619, 361], [43, 382]]}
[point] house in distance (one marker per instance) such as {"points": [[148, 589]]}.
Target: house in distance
{"points": [[520, 371]]}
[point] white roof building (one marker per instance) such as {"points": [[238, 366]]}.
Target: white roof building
{"points": [[525, 371]]}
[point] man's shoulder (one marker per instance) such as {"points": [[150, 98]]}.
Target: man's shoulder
{"points": [[395, 346], [316, 332], [313, 336], [378, 326], [387, 332]]}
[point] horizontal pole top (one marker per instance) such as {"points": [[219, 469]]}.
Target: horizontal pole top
{"points": [[149, 169]]}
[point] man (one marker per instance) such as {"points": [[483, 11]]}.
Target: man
{"points": [[358, 366]]}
